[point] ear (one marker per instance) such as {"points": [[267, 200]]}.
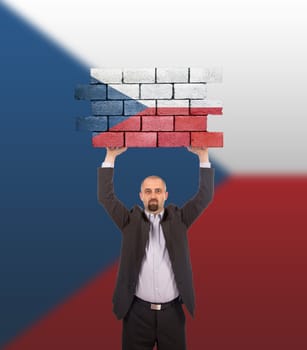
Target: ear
{"points": [[166, 195], [141, 196]]}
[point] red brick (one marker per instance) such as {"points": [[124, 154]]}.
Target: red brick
{"points": [[207, 139], [130, 124], [148, 111], [173, 111], [173, 139], [141, 139], [108, 139], [189, 123], [156, 123], [206, 110]]}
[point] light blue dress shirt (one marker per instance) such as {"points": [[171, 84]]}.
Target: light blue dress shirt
{"points": [[156, 282]]}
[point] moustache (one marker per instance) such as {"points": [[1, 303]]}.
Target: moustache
{"points": [[153, 205]]}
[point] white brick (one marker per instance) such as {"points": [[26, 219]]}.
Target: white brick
{"points": [[173, 103], [173, 107], [139, 75], [206, 103], [206, 75], [172, 75], [190, 91], [148, 103], [107, 75], [123, 91], [156, 91]]}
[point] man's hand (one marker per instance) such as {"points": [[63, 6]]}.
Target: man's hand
{"points": [[202, 153], [113, 152]]}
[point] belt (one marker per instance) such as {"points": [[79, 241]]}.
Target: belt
{"points": [[156, 306]]}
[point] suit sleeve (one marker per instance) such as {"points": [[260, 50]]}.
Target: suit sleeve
{"points": [[196, 205], [106, 197]]}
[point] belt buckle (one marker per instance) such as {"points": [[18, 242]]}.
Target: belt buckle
{"points": [[155, 307]]}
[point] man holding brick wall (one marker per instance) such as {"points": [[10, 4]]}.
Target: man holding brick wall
{"points": [[155, 275]]}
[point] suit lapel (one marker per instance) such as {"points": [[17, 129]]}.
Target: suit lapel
{"points": [[166, 227], [143, 236]]}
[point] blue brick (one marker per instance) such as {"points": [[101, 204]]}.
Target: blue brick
{"points": [[123, 91], [107, 107], [94, 81], [92, 123], [133, 107], [91, 92], [114, 120]]}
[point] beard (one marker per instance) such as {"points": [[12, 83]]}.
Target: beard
{"points": [[153, 205]]}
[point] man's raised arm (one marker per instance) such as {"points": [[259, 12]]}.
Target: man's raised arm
{"points": [[195, 206], [106, 196]]}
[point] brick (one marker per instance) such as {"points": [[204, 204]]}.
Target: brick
{"points": [[173, 139], [92, 123], [108, 139], [205, 107], [156, 91], [124, 123], [190, 91], [206, 103], [172, 75], [107, 107], [207, 139], [123, 91], [172, 107], [140, 107], [141, 139], [107, 75], [139, 75], [156, 123], [206, 111], [90, 92], [189, 123], [206, 75]]}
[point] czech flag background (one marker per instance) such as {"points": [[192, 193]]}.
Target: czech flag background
{"points": [[59, 249]]}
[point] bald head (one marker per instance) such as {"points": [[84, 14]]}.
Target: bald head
{"points": [[153, 177], [153, 193]]}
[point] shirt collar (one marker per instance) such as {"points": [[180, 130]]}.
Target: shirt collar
{"points": [[148, 213]]}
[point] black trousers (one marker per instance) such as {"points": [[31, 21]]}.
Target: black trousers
{"points": [[144, 327]]}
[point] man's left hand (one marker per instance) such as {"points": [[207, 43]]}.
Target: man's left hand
{"points": [[202, 153]]}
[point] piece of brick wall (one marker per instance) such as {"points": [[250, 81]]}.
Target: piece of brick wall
{"points": [[150, 107]]}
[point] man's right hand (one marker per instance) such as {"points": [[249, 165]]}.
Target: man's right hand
{"points": [[113, 152]]}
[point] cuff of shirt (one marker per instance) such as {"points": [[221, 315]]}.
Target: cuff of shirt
{"points": [[205, 165], [111, 165], [107, 165]]}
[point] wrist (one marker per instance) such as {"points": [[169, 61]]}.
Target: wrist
{"points": [[109, 159], [204, 158]]}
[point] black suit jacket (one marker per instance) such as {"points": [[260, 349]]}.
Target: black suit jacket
{"points": [[134, 226]]}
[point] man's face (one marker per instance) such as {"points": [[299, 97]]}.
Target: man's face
{"points": [[153, 194]]}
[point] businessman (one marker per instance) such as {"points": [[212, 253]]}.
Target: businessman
{"points": [[155, 275]]}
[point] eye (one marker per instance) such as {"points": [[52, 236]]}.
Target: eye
{"points": [[158, 190], [147, 191]]}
